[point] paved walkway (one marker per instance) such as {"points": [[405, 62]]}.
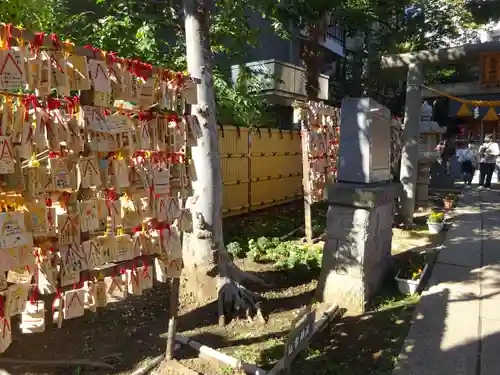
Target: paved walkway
{"points": [[456, 329]]}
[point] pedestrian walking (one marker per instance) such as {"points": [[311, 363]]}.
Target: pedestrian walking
{"points": [[447, 151], [487, 154], [467, 158], [497, 167]]}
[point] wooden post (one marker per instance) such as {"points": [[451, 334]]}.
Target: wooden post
{"points": [[308, 218], [172, 320], [249, 166], [175, 283], [306, 185]]}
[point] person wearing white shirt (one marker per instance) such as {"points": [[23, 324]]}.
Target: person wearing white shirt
{"points": [[488, 153], [467, 158]]}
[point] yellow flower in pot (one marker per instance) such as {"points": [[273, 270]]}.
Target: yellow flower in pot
{"points": [[435, 222]]}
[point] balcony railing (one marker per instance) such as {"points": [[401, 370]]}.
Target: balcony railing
{"points": [[336, 32], [284, 80], [333, 39]]}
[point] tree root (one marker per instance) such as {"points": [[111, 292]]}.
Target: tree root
{"points": [[234, 299], [242, 277]]}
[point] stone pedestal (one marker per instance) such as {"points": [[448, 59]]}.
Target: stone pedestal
{"points": [[422, 193], [430, 133], [357, 251]]}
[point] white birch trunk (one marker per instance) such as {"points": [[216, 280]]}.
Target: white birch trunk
{"points": [[209, 269], [203, 245]]}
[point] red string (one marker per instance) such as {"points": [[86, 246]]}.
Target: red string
{"points": [[53, 104], [29, 100], [145, 272], [141, 69], [179, 79], [56, 41], [54, 154], [72, 102], [111, 58], [8, 30], [145, 116], [92, 48], [2, 308], [173, 118], [34, 295], [37, 43], [129, 64]]}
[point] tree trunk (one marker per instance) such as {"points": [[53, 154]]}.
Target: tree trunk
{"points": [[312, 60], [209, 269]]}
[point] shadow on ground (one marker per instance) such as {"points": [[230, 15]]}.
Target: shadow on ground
{"points": [[130, 332], [369, 344]]}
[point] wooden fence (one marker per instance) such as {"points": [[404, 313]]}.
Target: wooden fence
{"points": [[260, 168]]}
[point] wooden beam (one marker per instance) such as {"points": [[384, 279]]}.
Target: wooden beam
{"points": [[439, 56]]}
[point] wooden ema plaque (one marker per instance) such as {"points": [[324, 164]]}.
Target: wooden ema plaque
{"points": [[78, 220]]}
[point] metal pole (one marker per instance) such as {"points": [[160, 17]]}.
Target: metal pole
{"points": [[409, 156]]}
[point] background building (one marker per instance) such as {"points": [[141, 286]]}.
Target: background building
{"points": [[278, 62]]}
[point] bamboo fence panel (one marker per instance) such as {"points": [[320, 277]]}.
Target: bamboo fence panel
{"points": [[261, 168]]}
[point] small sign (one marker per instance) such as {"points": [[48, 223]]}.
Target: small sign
{"points": [[300, 333], [490, 74]]}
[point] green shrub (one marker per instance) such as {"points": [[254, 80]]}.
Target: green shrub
{"points": [[284, 254], [235, 249]]}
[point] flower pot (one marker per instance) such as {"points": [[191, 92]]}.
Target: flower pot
{"points": [[435, 228], [408, 286], [448, 204]]}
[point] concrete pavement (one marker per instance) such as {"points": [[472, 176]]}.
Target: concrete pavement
{"points": [[456, 329]]}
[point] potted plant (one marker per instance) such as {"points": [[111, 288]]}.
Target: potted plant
{"points": [[435, 222], [448, 202], [410, 276]]}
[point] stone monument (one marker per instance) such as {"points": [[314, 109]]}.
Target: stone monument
{"points": [[430, 135], [357, 250]]}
